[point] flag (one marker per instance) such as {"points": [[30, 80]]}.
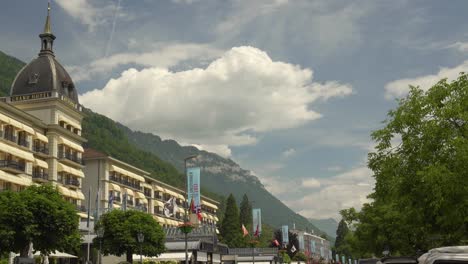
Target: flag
{"points": [[111, 199], [257, 233], [192, 206], [244, 231], [276, 243], [293, 249], [199, 216]]}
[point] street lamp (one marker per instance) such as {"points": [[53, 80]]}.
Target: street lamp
{"points": [[100, 235], [141, 238], [186, 204]]}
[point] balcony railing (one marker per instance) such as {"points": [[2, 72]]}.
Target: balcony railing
{"points": [[12, 164], [130, 202], [72, 182], [137, 186], [11, 137], [40, 175], [81, 208], [23, 142], [117, 199], [147, 194], [42, 149], [69, 156]]}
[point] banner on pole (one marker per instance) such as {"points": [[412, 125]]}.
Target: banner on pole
{"points": [[193, 189], [285, 234], [257, 221]]}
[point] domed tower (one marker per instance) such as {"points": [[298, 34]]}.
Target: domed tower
{"points": [[44, 75], [45, 90]]}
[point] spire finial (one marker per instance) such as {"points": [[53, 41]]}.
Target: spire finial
{"points": [[47, 24]]}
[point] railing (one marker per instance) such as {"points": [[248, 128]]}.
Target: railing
{"points": [[117, 199], [81, 208], [130, 202], [12, 164], [40, 175], [69, 156], [23, 142], [112, 177], [147, 194], [10, 137], [73, 182], [42, 149], [248, 251]]}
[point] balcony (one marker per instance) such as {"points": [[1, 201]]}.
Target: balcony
{"points": [[23, 142], [10, 137], [42, 176], [41, 149], [114, 178], [13, 166], [81, 208], [147, 194], [130, 202], [117, 199], [72, 182], [70, 156]]}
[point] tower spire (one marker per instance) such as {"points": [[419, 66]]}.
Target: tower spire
{"points": [[47, 23]]}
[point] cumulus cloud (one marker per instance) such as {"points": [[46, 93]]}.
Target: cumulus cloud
{"points": [[326, 197], [400, 88], [238, 95], [162, 55], [288, 153], [459, 46]]}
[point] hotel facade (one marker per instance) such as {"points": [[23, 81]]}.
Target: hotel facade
{"points": [[41, 142]]}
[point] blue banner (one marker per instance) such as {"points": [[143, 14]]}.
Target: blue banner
{"points": [[285, 235], [313, 246], [257, 221], [193, 189], [301, 242]]}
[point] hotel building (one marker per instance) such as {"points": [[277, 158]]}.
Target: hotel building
{"points": [[41, 142], [116, 185]]}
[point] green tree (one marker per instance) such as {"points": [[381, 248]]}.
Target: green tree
{"points": [[300, 256], [293, 241], [420, 168], [121, 230], [245, 211], [231, 232], [39, 215], [341, 232]]}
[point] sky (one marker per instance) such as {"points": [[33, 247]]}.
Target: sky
{"points": [[289, 89]]}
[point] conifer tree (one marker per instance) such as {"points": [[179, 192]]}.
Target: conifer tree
{"points": [[230, 227], [341, 233], [245, 211]]}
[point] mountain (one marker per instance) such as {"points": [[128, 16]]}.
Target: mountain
{"points": [[328, 225], [9, 67], [164, 159], [223, 175]]}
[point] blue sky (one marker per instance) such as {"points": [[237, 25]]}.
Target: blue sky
{"points": [[288, 89]]}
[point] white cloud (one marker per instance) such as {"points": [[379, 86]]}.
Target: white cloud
{"points": [[81, 10], [221, 150], [162, 55], [311, 183], [460, 46], [288, 153], [400, 88], [334, 168], [244, 91], [348, 189]]}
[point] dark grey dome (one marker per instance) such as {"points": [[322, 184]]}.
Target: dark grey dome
{"points": [[44, 74]]}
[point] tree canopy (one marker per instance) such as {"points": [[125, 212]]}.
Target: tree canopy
{"points": [[39, 215], [245, 211], [341, 233], [121, 230], [231, 232], [420, 167]]}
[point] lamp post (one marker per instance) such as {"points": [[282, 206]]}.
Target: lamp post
{"points": [[141, 238], [186, 204], [100, 235]]}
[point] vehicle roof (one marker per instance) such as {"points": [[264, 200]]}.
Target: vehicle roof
{"points": [[459, 253], [400, 260]]}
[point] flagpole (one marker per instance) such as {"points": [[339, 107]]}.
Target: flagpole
{"points": [[87, 225]]}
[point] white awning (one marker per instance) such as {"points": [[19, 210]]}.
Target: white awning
{"points": [[71, 144], [159, 188], [69, 121], [16, 152], [159, 203], [170, 192], [140, 195], [129, 192], [41, 163], [127, 173], [146, 185], [114, 187], [209, 204], [175, 256], [67, 169], [55, 254], [71, 193], [19, 180], [16, 124], [41, 137]]}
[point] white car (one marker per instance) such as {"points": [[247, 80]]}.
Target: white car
{"points": [[445, 255]]}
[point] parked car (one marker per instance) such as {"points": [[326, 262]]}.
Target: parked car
{"points": [[445, 255], [398, 260], [368, 261]]}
